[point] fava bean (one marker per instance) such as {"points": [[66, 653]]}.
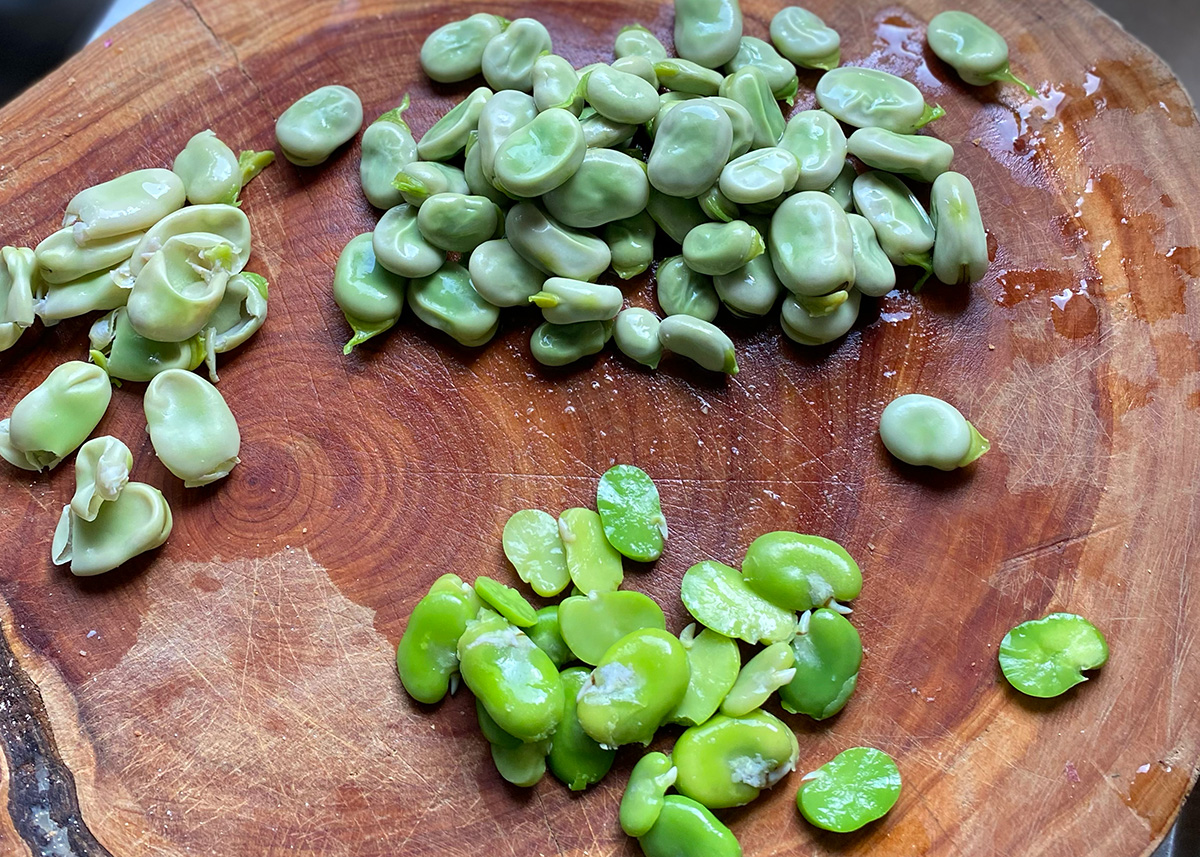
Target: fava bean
{"points": [[532, 544], [311, 130], [684, 76], [749, 87], [686, 828], [608, 186], [454, 51], [61, 260], [870, 98], [718, 206], [740, 120], [620, 96], [781, 74], [209, 170], [54, 302], [803, 38], [448, 135], [631, 243], [504, 114], [766, 672], [55, 417], [874, 275], [422, 179], [714, 662], [718, 597], [547, 637], [508, 58], [811, 245], [636, 335], [752, 289], [728, 761], [629, 507], [17, 268], [129, 203], [566, 301], [638, 67], [446, 300], [193, 431], [760, 175], [592, 623], [369, 296], [593, 563], [901, 224], [514, 679], [506, 601], [242, 311], [639, 681], [683, 291], [427, 656], [676, 217], [124, 354], [600, 132], [923, 430], [690, 149], [803, 327], [388, 146], [575, 759], [917, 157], [457, 222], [828, 654], [819, 144], [501, 276], [540, 156], [856, 787], [643, 799], [556, 84], [721, 248], [400, 247], [477, 182], [181, 286], [563, 344], [1046, 657], [799, 572], [698, 340], [973, 49], [138, 520], [102, 470], [708, 32], [493, 734], [553, 247], [960, 253], [636, 40]]}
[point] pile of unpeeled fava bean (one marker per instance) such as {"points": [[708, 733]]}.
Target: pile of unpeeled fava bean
{"points": [[566, 686], [534, 186], [171, 279]]}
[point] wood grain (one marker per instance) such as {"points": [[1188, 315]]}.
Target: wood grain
{"points": [[233, 693]]}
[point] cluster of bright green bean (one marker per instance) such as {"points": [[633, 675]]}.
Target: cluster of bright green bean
{"points": [[563, 687], [536, 184], [171, 280]]}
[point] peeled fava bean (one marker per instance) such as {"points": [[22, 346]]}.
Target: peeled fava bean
{"points": [[636, 40], [874, 274], [688, 825], [102, 470], [209, 169], [516, 681], [191, 427], [811, 244], [369, 296], [314, 127], [721, 248], [719, 598], [629, 507], [973, 49], [869, 98], [828, 653], [566, 301], [714, 661], [446, 300], [400, 247], [554, 248], [387, 147], [181, 286], [690, 149], [631, 243], [458, 223], [960, 252], [138, 520], [752, 289], [638, 682], [799, 572], [454, 51], [564, 344], [923, 430], [916, 157], [780, 72], [698, 340], [448, 136], [903, 227], [575, 758], [609, 185], [594, 564], [728, 761], [127, 355], [820, 146], [749, 87], [636, 335], [533, 546], [55, 417], [508, 58], [803, 38], [17, 267], [808, 328], [130, 203], [683, 291], [708, 32], [645, 793], [60, 259]]}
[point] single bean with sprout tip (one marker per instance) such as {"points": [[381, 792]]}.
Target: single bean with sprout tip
{"points": [[808, 328], [721, 248], [209, 170], [683, 820], [804, 38], [699, 340], [566, 301], [916, 157], [923, 430], [369, 296], [387, 147], [869, 98], [904, 228], [973, 49]]}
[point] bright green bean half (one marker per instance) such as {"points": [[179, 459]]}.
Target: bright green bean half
{"points": [[828, 654], [533, 546], [853, 789], [686, 828], [714, 662], [594, 564], [575, 758], [765, 673], [719, 598], [590, 624], [631, 512], [643, 799]]}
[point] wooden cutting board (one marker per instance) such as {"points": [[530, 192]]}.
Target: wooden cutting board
{"points": [[233, 693]]}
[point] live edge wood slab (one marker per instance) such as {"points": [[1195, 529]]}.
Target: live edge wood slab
{"points": [[233, 693]]}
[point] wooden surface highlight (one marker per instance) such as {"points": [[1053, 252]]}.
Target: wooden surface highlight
{"points": [[233, 693]]}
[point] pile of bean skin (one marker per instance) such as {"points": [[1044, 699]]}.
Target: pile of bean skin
{"points": [[539, 708], [535, 185], [171, 280]]}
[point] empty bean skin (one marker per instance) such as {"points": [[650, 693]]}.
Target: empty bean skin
{"points": [[804, 39], [708, 32], [690, 149], [683, 291], [224, 221], [807, 329], [556, 84], [636, 40], [61, 260], [503, 114], [209, 170], [636, 335], [811, 244], [917, 157], [128, 356], [369, 296], [977, 52], [137, 521], [447, 301], [191, 427], [315, 126], [869, 98], [683, 820], [508, 58], [620, 96], [760, 175], [904, 229], [501, 276], [631, 243], [387, 147], [54, 302], [54, 418], [923, 430], [458, 223], [176, 293], [749, 87], [454, 51], [242, 311], [540, 156], [960, 253], [400, 247], [608, 186], [752, 289], [874, 274], [101, 470], [553, 247], [698, 340], [130, 203], [18, 266], [819, 144]]}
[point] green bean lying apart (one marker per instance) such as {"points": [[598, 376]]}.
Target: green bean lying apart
{"points": [[977, 52], [924, 430], [315, 126]]}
